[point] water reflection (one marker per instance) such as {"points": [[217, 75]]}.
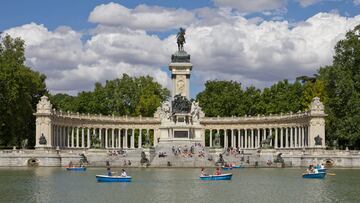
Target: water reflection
{"points": [[176, 185]]}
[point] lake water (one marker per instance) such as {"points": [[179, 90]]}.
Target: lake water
{"points": [[177, 185]]}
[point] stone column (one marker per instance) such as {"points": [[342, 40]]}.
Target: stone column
{"points": [[270, 135], [126, 139], [88, 138], [296, 137], [100, 137], [291, 137], [132, 138], [77, 136], [232, 138], [119, 138], [252, 145], [226, 144], [287, 137], [281, 137], [106, 138], [72, 136], [210, 141], [246, 139], [140, 139], [276, 139], [82, 138], [239, 136], [258, 138], [112, 138], [301, 136]]}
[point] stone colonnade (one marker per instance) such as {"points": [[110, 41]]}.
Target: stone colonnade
{"points": [[251, 138], [73, 130], [65, 136]]}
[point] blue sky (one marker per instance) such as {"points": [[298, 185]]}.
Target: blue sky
{"points": [[255, 42]]}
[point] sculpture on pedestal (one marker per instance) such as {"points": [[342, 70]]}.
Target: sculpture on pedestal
{"points": [[217, 140], [42, 139], [181, 39]]}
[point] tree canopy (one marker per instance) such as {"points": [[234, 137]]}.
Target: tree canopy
{"points": [[127, 95], [20, 90], [342, 86]]}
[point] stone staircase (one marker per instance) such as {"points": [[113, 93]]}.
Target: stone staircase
{"points": [[172, 160]]}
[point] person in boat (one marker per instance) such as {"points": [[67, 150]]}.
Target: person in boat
{"points": [[203, 173], [71, 164], [217, 171], [109, 171], [322, 166], [81, 165], [123, 173]]}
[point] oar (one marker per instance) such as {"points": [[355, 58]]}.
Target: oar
{"points": [[331, 174]]}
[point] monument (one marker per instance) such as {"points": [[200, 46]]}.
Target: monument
{"points": [[180, 117]]}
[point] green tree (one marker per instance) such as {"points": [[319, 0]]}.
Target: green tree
{"points": [[222, 98], [342, 85], [20, 90], [127, 95]]}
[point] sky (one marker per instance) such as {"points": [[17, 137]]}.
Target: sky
{"points": [[254, 42]]}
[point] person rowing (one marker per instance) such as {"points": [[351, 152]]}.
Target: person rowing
{"points": [[203, 173], [217, 172], [123, 173]]}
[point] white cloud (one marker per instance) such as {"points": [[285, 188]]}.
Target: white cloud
{"points": [[152, 18], [72, 65], [306, 3], [357, 2], [252, 5], [269, 51], [222, 44]]}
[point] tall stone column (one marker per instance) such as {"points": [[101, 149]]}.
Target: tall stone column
{"points": [[77, 137], [296, 137], [100, 137], [300, 137], [282, 137], [88, 138], [239, 136], [252, 139], [270, 135], [276, 138], [106, 138], [112, 138], [126, 138], [291, 137], [72, 137], [226, 134], [232, 138], [258, 138], [68, 136], [132, 138], [82, 138], [140, 139], [246, 139], [286, 137], [210, 141]]}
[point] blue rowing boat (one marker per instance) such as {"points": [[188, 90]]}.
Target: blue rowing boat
{"points": [[239, 166], [319, 175], [76, 168], [217, 177], [226, 168], [322, 170], [105, 178]]}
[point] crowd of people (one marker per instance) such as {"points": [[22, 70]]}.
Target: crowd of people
{"points": [[186, 151], [117, 152]]}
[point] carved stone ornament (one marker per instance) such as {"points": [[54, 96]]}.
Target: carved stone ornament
{"points": [[316, 105], [44, 105], [42, 139]]}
